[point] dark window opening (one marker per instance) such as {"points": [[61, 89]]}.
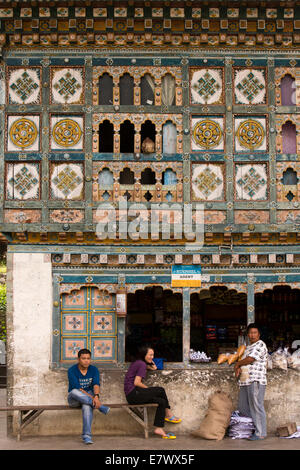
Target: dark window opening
{"points": [[126, 89], [289, 177], [126, 176], [154, 316], [148, 137], [127, 137], [106, 137], [105, 90], [148, 176]]}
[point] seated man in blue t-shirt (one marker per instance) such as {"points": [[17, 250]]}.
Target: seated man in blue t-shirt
{"points": [[84, 390]]}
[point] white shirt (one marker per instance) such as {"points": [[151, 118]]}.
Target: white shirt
{"points": [[257, 371]]}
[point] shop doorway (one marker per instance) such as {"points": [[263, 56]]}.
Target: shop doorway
{"points": [[277, 312], [154, 316], [218, 318]]}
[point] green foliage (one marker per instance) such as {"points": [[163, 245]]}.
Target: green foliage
{"points": [[2, 296], [2, 312]]}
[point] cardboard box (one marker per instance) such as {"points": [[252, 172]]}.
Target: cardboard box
{"points": [[286, 430]]}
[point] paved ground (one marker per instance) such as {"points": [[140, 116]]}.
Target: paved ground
{"points": [[113, 443]]}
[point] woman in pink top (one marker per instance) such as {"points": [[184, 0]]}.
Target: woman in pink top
{"points": [[138, 393]]}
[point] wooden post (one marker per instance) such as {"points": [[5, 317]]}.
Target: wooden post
{"points": [[186, 325]]}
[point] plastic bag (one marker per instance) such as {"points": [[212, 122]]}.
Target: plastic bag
{"points": [[279, 359], [294, 360]]}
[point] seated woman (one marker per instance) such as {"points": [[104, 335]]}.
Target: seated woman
{"points": [[138, 393]]}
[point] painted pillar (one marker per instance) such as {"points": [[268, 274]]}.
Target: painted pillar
{"points": [[250, 299], [186, 325]]}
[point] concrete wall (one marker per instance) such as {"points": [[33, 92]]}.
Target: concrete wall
{"points": [[31, 380]]}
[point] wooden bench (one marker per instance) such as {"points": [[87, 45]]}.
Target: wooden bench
{"points": [[28, 413]]}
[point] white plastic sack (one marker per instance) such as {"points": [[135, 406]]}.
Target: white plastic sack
{"points": [[279, 359], [294, 360]]}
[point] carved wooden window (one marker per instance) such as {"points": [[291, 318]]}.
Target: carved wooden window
{"points": [[169, 138], [126, 177], [88, 320]]}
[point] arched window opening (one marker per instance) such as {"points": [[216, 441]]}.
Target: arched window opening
{"points": [[169, 177], [169, 138], [148, 137], [126, 89], [147, 90], [126, 176], [106, 137], [105, 178], [127, 137], [289, 140], [105, 90], [289, 177], [148, 177], [168, 90], [288, 91]]}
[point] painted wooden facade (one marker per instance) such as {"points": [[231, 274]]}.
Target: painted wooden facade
{"points": [[222, 132]]}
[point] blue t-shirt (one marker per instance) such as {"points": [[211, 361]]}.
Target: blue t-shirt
{"points": [[86, 382]]}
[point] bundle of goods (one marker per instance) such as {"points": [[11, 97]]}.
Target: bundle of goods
{"points": [[294, 360], [241, 427], [217, 418], [280, 359], [197, 356], [231, 358]]}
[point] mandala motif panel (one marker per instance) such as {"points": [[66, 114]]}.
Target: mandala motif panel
{"points": [[250, 86], [103, 349], [250, 134], [67, 85], [24, 85], [67, 181], [207, 134], [103, 323], [77, 299], [66, 133], [74, 323], [207, 86], [71, 346], [23, 133], [207, 182], [251, 182], [22, 181]]}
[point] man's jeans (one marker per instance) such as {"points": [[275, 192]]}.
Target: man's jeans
{"points": [[251, 404], [76, 398]]}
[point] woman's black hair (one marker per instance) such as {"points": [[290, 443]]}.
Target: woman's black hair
{"points": [[253, 325], [142, 351]]}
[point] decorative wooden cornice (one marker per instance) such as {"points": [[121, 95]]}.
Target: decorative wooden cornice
{"points": [[154, 24]]}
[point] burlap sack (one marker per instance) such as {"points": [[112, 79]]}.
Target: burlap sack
{"points": [[217, 418]]}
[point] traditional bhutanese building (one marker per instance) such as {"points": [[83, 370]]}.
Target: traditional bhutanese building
{"points": [[139, 139]]}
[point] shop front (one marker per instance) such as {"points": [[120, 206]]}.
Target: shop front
{"points": [[112, 311]]}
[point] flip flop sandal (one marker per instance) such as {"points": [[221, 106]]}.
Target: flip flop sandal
{"points": [[173, 420], [170, 435]]}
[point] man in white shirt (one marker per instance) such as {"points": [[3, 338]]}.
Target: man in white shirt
{"points": [[252, 373]]}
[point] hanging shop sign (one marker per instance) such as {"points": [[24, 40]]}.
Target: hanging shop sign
{"points": [[186, 276], [121, 303]]}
